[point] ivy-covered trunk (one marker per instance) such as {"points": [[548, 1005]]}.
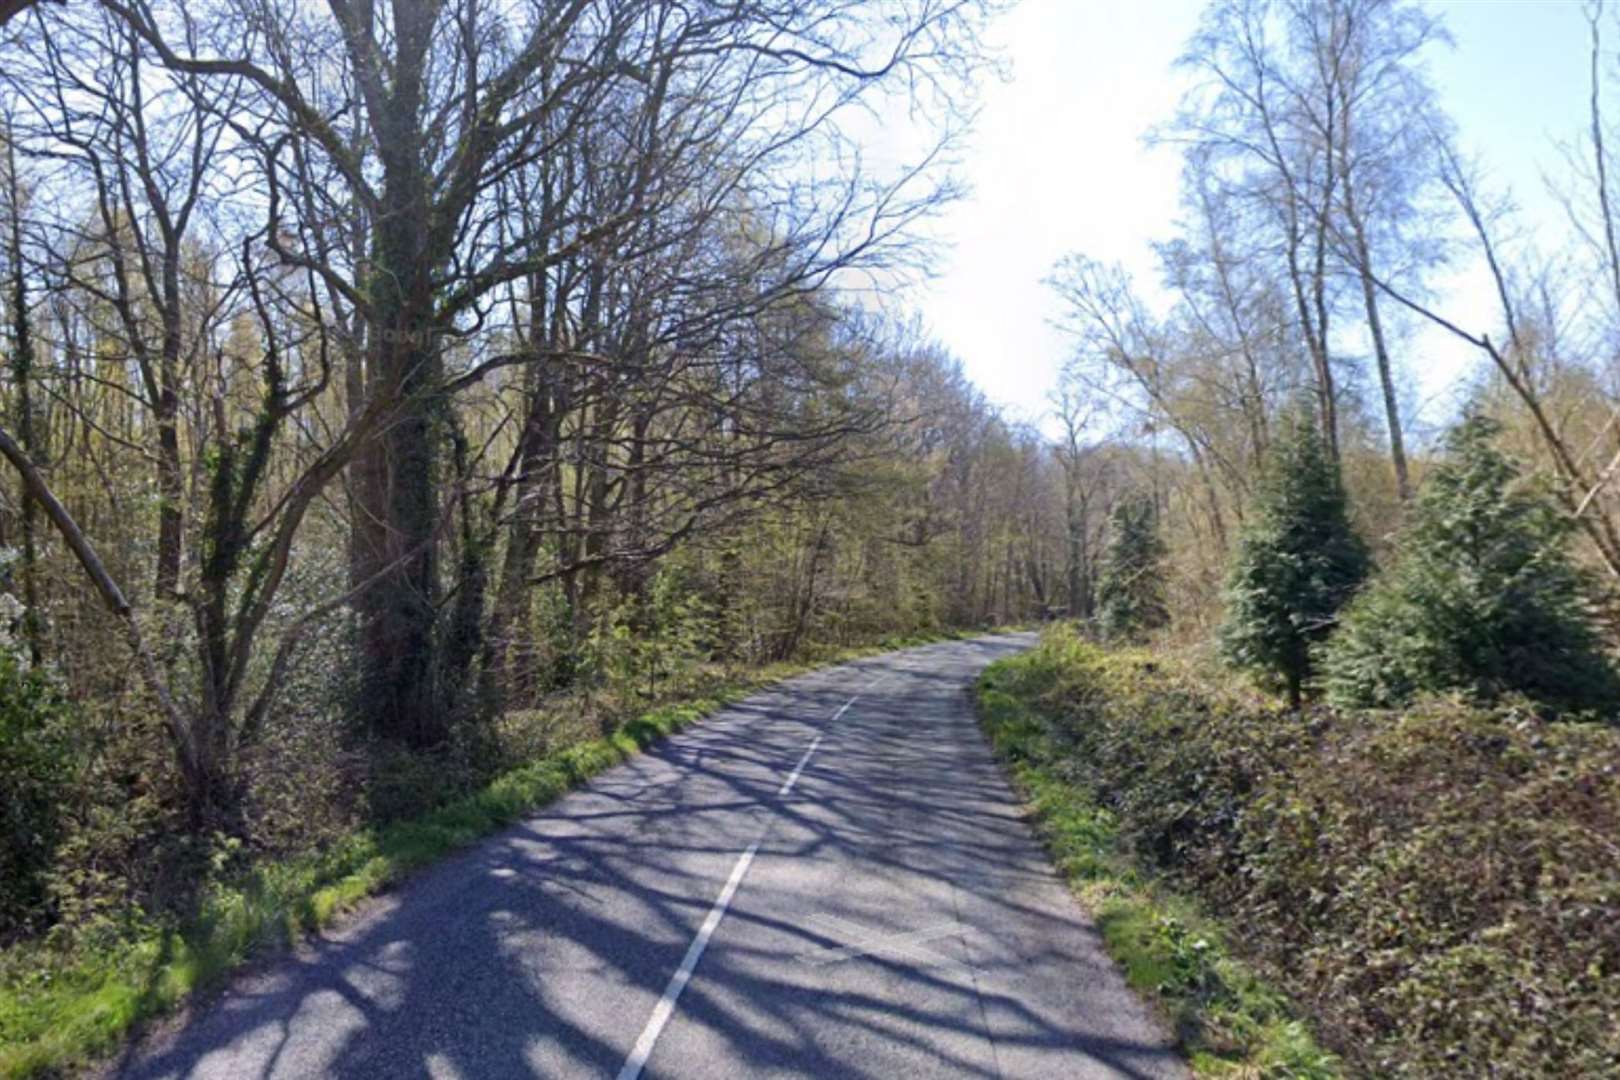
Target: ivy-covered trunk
{"points": [[398, 498], [166, 413], [398, 481]]}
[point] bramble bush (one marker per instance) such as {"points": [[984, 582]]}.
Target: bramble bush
{"points": [[1437, 888]]}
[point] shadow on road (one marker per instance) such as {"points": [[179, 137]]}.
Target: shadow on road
{"points": [[543, 951]]}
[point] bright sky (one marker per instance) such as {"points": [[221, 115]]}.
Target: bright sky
{"points": [[1057, 164]]}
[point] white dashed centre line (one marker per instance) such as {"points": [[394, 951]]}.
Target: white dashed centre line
{"points": [[694, 952]]}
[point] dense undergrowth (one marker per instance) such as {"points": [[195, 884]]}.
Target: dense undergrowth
{"points": [[71, 994], [1438, 889]]}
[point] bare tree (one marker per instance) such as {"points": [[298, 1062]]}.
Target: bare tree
{"points": [[1245, 114], [1367, 64], [1080, 476], [1514, 355], [1124, 351], [433, 107]]}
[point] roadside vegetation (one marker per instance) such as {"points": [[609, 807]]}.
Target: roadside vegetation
{"points": [[64, 1000], [1428, 892], [1379, 839], [1227, 1019], [1333, 755]]}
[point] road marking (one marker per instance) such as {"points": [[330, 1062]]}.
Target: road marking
{"points": [[694, 952], [666, 1004], [864, 941], [793, 777]]}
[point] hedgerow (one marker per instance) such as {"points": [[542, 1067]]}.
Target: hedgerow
{"points": [[1439, 889]]}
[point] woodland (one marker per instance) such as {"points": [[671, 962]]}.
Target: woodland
{"points": [[397, 393]]}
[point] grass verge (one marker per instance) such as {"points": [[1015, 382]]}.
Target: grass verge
{"points": [[1228, 1021], [62, 1007]]}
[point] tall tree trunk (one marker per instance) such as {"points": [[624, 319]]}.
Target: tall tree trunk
{"points": [[464, 637], [509, 667], [1212, 496], [1375, 327], [599, 484], [399, 492], [22, 365], [398, 497], [1075, 565], [166, 412], [633, 576], [1327, 403], [1386, 379], [359, 480], [399, 500], [804, 600], [1327, 390]]}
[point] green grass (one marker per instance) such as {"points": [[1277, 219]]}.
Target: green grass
{"points": [[1228, 1021], [61, 1006]]}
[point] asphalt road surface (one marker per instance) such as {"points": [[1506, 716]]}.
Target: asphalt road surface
{"points": [[830, 879]]}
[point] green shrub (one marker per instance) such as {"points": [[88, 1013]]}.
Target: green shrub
{"points": [[1438, 888], [1483, 599], [37, 766]]}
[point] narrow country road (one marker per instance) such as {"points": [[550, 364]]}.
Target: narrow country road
{"points": [[830, 879]]}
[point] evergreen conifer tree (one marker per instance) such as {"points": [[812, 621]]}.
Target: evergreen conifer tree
{"points": [[1130, 588], [1297, 564], [1484, 598]]}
